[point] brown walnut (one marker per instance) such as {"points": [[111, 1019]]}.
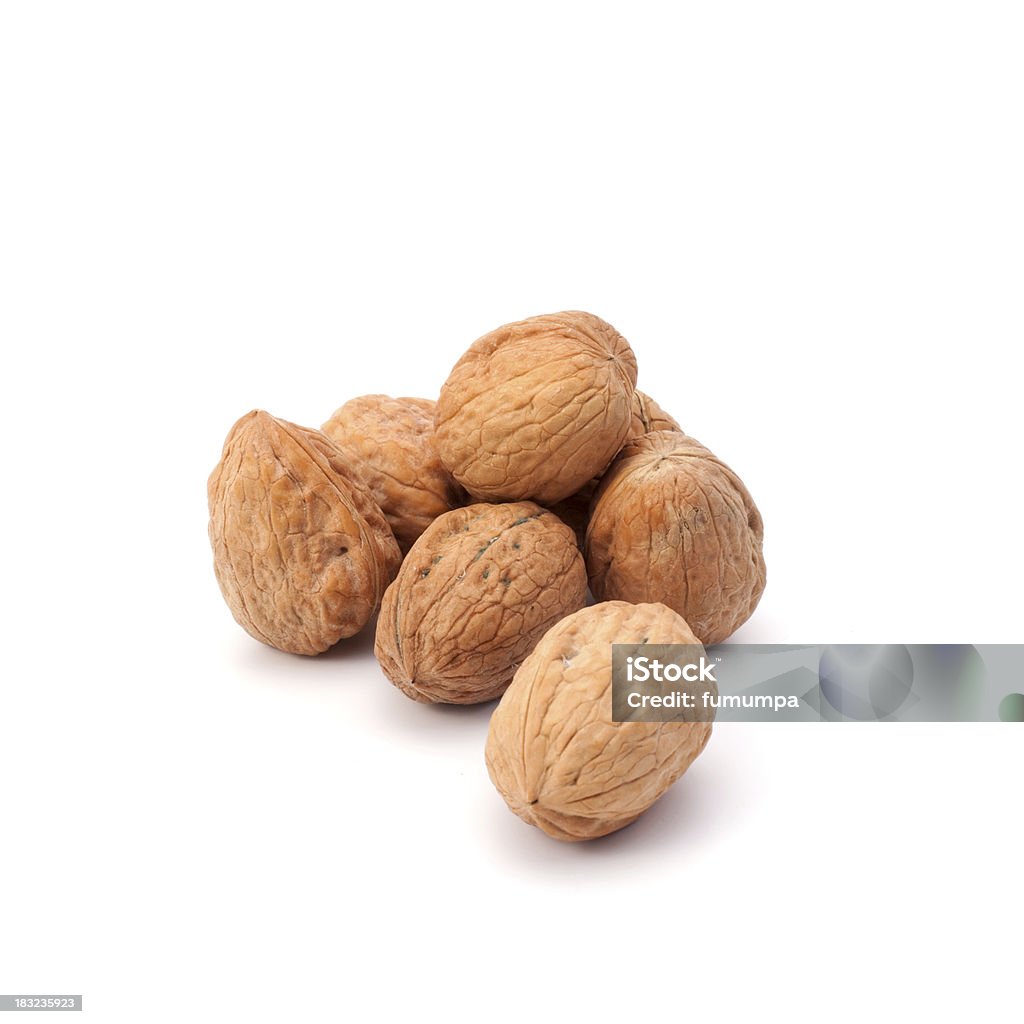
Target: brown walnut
{"points": [[301, 551], [474, 594], [553, 751], [537, 408], [574, 511], [672, 523], [389, 444], [649, 416]]}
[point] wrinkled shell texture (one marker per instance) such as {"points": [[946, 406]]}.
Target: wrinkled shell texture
{"points": [[648, 416], [574, 511], [672, 523], [474, 595], [553, 751], [301, 551], [537, 408], [389, 444]]}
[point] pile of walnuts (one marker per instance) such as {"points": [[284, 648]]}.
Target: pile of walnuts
{"points": [[475, 526]]}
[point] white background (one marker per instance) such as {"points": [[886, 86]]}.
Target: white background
{"points": [[807, 218]]}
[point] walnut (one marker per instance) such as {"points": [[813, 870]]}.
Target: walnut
{"points": [[553, 751], [672, 523], [301, 551], [649, 416], [574, 511], [535, 409], [389, 444], [475, 593]]}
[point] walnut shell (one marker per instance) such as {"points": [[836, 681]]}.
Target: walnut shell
{"points": [[553, 751], [475, 593], [672, 523], [537, 408], [301, 551], [574, 511], [389, 444], [649, 416]]}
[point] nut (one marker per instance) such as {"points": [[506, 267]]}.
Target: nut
{"points": [[535, 409], [672, 523], [301, 552], [553, 751], [475, 593], [574, 511], [649, 416], [389, 444]]}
